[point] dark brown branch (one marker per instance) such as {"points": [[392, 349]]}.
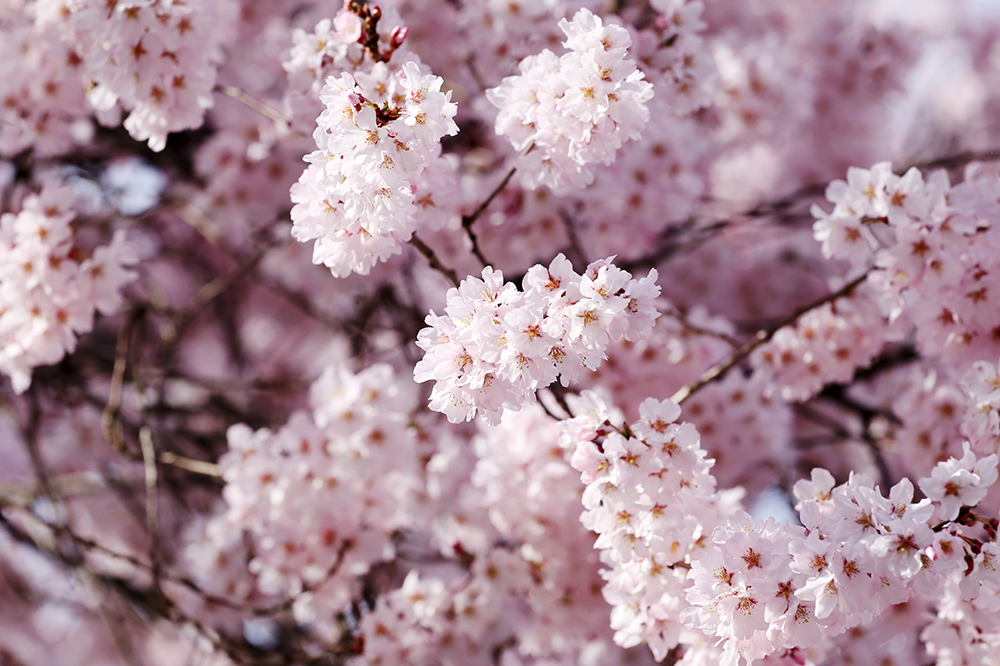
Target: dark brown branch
{"points": [[838, 395], [171, 335], [467, 220], [110, 423], [470, 219], [687, 234], [433, 260], [681, 318], [674, 240], [574, 252], [960, 159], [61, 486], [559, 392], [719, 370]]}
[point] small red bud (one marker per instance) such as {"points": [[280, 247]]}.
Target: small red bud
{"points": [[398, 36]]}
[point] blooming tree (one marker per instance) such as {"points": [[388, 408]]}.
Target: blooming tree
{"points": [[499, 333]]}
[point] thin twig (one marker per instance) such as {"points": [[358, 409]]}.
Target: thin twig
{"points": [[70, 484], [190, 464], [470, 219], [467, 220], [110, 423], [200, 222], [280, 606], [254, 103], [689, 233], [206, 294], [433, 260], [114, 621], [883, 467], [673, 240], [152, 498], [30, 434], [720, 369], [575, 251], [961, 159], [681, 318], [211, 231]]}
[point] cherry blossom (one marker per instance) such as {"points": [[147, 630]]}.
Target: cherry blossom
{"points": [[52, 287], [576, 109], [718, 277], [360, 195], [495, 346]]}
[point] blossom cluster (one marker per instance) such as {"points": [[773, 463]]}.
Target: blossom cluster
{"points": [[156, 59], [650, 496], [761, 589], [338, 45], [573, 110], [523, 458], [460, 618], [981, 423], [529, 568], [41, 85], [933, 247], [353, 451], [173, 493], [826, 344], [496, 345], [369, 184], [50, 287]]}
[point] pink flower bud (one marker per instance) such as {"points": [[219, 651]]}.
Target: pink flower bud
{"points": [[398, 36]]}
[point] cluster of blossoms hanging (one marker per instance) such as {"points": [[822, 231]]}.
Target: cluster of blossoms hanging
{"points": [[530, 574], [50, 287], [378, 158], [496, 345], [651, 499], [762, 588], [933, 247], [573, 110], [201, 480], [757, 587], [359, 39], [353, 451], [156, 59]]}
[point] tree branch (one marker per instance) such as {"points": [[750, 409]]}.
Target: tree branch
{"points": [[435, 263], [470, 219], [254, 103], [719, 370]]}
